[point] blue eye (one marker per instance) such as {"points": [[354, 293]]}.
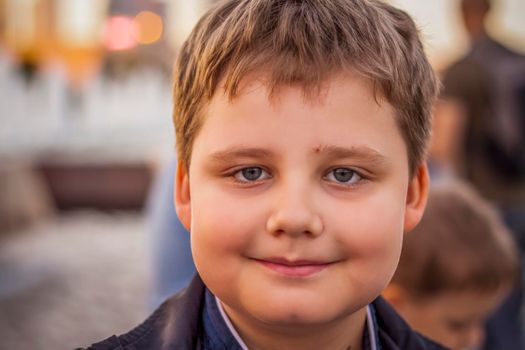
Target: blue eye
{"points": [[344, 176], [251, 174]]}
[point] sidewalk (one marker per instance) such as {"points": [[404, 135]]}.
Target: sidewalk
{"points": [[73, 281]]}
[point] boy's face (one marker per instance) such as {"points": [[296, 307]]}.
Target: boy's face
{"points": [[297, 207]]}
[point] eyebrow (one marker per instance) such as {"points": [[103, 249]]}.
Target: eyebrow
{"points": [[241, 152], [363, 153]]}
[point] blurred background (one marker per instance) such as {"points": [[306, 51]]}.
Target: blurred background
{"points": [[85, 127]]}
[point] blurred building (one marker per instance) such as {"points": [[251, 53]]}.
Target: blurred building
{"points": [[87, 82]]}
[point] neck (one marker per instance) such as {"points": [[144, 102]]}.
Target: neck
{"points": [[342, 334], [475, 35]]}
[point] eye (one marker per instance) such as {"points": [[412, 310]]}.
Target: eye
{"points": [[344, 176], [251, 174]]}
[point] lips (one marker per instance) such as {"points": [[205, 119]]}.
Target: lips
{"points": [[296, 268]]}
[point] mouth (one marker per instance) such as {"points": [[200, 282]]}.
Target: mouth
{"points": [[296, 268]]}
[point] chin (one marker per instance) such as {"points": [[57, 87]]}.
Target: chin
{"points": [[302, 313], [295, 319]]}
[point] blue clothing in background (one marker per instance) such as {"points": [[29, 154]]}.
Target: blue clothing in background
{"points": [[173, 266]]}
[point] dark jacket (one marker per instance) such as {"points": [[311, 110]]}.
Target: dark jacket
{"points": [[176, 325]]}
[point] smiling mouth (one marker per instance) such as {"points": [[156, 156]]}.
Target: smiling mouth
{"points": [[298, 268]]}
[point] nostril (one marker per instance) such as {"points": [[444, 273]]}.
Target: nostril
{"points": [[306, 225], [279, 232]]}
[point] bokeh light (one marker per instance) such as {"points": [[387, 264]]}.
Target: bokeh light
{"points": [[120, 33], [150, 27]]}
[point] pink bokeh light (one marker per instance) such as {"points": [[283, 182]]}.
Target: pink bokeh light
{"points": [[120, 33]]}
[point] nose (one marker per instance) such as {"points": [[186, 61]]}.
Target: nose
{"points": [[294, 213]]}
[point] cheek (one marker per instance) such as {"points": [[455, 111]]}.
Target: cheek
{"points": [[221, 223], [374, 226], [214, 241], [373, 242], [433, 326], [224, 229], [425, 319]]}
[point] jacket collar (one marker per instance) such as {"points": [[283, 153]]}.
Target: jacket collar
{"points": [[395, 333], [183, 323], [176, 324]]}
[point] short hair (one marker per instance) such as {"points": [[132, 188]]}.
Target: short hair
{"points": [[305, 42], [461, 244]]}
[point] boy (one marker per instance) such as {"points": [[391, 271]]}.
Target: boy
{"points": [[455, 268], [301, 133]]}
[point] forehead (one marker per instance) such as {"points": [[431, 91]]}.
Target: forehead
{"points": [[313, 90], [258, 91], [344, 112], [313, 94]]}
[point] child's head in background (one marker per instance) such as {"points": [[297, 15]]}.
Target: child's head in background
{"points": [[455, 268], [302, 128]]}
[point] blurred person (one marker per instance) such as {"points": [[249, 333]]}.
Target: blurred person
{"points": [[479, 134], [455, 268], [172, 263], [480, 120]]}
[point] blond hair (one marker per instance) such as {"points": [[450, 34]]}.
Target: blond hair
{"points": [[304, 42]]}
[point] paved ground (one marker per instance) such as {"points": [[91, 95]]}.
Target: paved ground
{"points": [[72, 281]]}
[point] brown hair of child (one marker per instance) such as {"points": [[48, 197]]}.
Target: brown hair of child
{"points": [[460, 245], [304, 43]]}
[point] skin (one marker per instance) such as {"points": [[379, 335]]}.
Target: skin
{"points": [[454, 319], [447, 133], [474, 14], [294, 249]]}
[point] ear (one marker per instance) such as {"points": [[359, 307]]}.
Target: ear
{"points": [[417, 195], [182, 196]]}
